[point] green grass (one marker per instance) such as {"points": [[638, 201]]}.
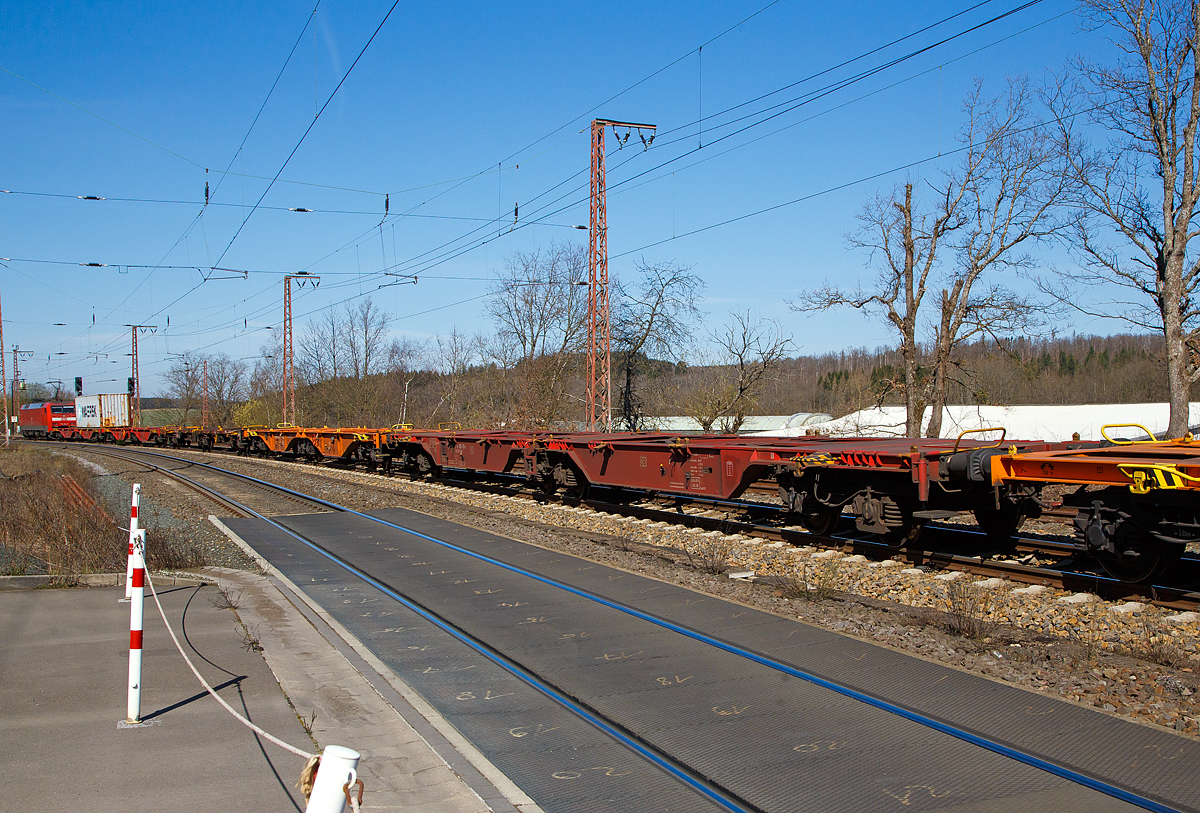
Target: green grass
{"points": [[169, 417]]}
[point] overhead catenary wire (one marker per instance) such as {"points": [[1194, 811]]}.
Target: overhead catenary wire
{"points": [[537, 217], [296, 209], [711, 226], [308, 129], [414, 266], [697, 50], [286, 161], [250, 129], [823, 72]]}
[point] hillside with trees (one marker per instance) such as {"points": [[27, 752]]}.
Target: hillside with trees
{"points": [[457, 383]]}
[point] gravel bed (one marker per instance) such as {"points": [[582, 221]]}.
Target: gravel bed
{"points": [[1125, 658], [165, 505]]}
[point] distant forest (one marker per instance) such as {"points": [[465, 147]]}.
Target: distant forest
{"points": [[1074, 370], [1118, 369]]}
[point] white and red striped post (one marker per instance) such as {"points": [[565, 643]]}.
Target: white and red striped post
{"points": [[133, 529], [136, 599]]}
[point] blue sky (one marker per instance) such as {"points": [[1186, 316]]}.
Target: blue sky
{"points": [[455, 112]]}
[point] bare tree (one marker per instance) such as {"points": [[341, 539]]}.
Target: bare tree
{"points": [[266, 386], [653, 316], [903, 241], [322, 347], [538, 304], [998, 200], [227, 386], [403, 365], [184, 381], [365, 331], [453, 357], [751, 350], [1138, 191], [1011, 183], [540, 312]]}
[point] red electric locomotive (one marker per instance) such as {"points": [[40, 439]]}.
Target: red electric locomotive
{"points": [[46, 419]]}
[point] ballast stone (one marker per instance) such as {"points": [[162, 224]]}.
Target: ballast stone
{"points": [[990, 584], [1031, 590]]}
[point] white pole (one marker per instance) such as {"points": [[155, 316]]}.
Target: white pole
{"points": [[338, 768], [134, 706], [133, 529]]}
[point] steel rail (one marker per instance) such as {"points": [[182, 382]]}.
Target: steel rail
{"points": [[677, 769], [1061, 771], [1165, 596]]}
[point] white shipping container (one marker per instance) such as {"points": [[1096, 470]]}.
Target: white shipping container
{"points": [[102, 411]]}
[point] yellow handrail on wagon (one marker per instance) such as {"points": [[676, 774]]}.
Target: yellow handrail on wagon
{"points": [[1003, 433], [1122, 441]]}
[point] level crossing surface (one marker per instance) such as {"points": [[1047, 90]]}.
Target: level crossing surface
{"points": [[776, 742]]}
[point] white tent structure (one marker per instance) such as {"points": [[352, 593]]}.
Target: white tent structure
{"points": [[1042, 422]]}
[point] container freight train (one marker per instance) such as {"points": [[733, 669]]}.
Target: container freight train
{"points": [[1138, 503]]}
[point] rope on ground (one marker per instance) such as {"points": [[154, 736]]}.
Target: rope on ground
{"points": [[285, 746]]}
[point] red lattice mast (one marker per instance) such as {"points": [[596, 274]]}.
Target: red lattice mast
{"points": [[204, 403], [598, 415], [289, 377], [289, 382], [135, 392]]}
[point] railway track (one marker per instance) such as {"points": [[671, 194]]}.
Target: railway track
{"points": [[759, 520], [710, 778], [722, 516]]}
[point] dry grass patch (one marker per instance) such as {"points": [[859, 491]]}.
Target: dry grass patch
{"points": [[51, 522]]}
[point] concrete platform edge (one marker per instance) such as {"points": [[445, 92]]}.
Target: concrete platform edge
{"points": [[453, 748], [91, 580]]}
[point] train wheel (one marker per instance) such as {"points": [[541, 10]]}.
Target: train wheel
{"points": [[426, 467], [822, 521], [1139, 557], [1000, 524]]}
